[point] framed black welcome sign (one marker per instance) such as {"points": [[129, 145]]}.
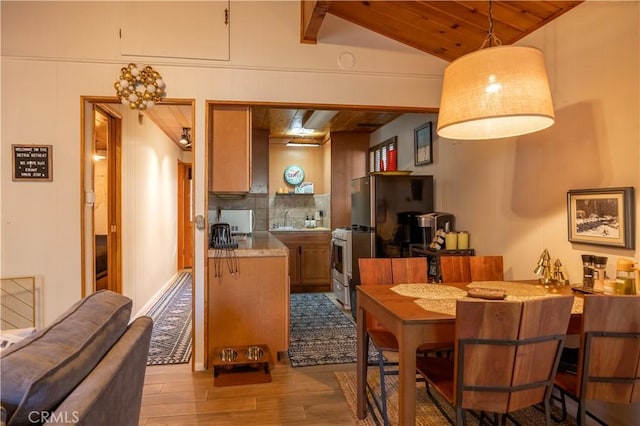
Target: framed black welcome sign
{"points": [[32, 162]]}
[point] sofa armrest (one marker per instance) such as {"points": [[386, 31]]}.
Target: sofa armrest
{"points": [[112, 393]]}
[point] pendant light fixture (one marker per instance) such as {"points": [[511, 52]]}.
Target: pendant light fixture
{"points": [[495, 92]]}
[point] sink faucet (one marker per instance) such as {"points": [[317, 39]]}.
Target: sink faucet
{"points": [[286, 215]]}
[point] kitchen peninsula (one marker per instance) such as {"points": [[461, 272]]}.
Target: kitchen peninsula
{"points": [[248, 296]]}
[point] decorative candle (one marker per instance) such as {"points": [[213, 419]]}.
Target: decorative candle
{"points": [[463, 240], [451, 240]]}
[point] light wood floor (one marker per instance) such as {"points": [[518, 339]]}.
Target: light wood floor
{"points": [[174, 395]]}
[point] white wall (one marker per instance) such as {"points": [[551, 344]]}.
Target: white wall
{"points": [[149, 208]]}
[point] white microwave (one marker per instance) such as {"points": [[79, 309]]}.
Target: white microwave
{"points": [[240, 221]]}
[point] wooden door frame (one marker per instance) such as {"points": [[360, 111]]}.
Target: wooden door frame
{"points": [[88, 106], [183, 169]]}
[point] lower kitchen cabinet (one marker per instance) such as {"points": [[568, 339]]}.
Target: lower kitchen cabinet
{"points": [[309, 252], [250, 307]]}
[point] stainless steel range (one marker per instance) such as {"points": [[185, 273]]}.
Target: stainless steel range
{"points": [[341, 264]]}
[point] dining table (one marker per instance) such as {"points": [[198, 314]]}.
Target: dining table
{"points": [[425, 313]]}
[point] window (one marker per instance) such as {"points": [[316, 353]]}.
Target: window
{"points": [[379, 155]]}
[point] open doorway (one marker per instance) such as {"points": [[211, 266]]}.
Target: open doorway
{"points": [[144, 233], [104, 199]]}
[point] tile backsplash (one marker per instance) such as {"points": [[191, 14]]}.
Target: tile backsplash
{"points": [[299, 207], [270, 209], [259, 203]]}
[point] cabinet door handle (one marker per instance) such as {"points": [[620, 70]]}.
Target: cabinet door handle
{"points": [[300, 250]]}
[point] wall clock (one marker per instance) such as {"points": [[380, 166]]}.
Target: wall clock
{"points": [[293, 175]]}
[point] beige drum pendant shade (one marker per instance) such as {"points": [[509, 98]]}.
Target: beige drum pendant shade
{"points": [[496, 92]]}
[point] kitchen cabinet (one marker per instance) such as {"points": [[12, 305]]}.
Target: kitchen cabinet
{"points": [[309, 251], [230, 149]]}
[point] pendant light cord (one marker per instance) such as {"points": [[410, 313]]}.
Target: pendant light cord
{"points": [[491, 36]]}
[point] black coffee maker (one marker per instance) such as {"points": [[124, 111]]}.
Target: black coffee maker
{"points": [[407, 231], [430, 223]]}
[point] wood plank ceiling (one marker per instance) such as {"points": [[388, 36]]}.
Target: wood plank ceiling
{"points": [[445, 29]]}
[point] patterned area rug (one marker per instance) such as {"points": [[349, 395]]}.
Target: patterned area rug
{"points": [[427, 413], [320, 332], [171, 336]]}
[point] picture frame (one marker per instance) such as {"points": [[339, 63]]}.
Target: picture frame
{"points": [[602, 217], [423, 145]]}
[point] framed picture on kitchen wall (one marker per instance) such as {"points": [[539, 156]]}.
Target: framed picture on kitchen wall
{"points": [[602, 216], [423, 145]]}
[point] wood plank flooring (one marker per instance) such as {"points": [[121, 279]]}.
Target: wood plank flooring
{"points": [[174, 395], [309, 396]]}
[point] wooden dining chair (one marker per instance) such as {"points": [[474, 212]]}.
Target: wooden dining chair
{"points": [[455, 269], [409, 270], [486, 268], [608, 357], [506, 357], [375, 271]]}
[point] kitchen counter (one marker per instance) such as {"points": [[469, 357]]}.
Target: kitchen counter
{"points": [[258, 244]]}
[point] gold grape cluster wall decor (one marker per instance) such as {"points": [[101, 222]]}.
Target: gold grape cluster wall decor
{"points": [[140, 88]]}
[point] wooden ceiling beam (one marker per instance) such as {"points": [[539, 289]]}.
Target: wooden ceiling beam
{"points": [[312, 14]]}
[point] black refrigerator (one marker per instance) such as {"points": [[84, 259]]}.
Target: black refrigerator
{"points": [[384, 210]]}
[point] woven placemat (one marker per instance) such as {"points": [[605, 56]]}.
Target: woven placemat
{"points": [[429, 291], [442, 298]]}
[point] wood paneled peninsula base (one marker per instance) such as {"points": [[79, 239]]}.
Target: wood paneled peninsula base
{"points": [[250, 306]]}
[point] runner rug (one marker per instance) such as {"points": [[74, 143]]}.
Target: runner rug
{"points": [[171, 335], [320, 332], [427, 413]]}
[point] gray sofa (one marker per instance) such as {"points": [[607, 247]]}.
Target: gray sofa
{"points": [[86, 368]]}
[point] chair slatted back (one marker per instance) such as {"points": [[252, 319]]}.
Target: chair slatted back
{"points": [[375, 271], [455, 269], [610, 355], [409, 270], [486, 268], [505, 360]]}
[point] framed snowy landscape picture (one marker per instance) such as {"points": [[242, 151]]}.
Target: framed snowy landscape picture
{"points": [[601, 216]]}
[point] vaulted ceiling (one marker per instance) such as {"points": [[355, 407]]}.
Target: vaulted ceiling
{"points": [[445, 29]]}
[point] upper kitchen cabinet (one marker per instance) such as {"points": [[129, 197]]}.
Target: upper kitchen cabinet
{"points": [[230, 149], [203, 34]]}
